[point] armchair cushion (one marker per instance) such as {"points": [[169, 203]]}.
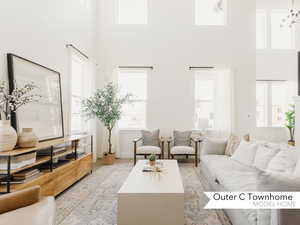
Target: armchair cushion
{"points": [[182, 138], [182, 150], [148, 150], [150, 138]]}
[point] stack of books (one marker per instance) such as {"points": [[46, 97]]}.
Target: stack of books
{"points": [[57, 150], [18, 161], [24, 176]]}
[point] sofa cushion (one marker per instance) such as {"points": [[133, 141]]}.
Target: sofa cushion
{"points": [[213, 146], [233, 175], [230, 175], [148, 150], [283, 162], [150, 138], [182, 138], [182, 150], [276, 182], [245, 153], [263, 156]]}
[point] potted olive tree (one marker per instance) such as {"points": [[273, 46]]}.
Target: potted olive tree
{"points": [[106, 105], [290, 124]]}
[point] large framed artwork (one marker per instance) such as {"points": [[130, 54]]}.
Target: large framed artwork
{"points": [[46, 115]]}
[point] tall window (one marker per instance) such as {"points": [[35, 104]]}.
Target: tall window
{"points": [[77, 73], [204, 100], [272, 101], [214, 100], [132, 12], [261, 29], [82, 77], [210, 12], [283, 37], [134, 113]]}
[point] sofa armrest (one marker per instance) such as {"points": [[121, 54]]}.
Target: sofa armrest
{"points": [[19, 199], [213, 147], [40, 213]]}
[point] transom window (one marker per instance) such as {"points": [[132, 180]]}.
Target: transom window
{"points": [[210, 12], [134, 113], [132, 12], [283, 37], [261, 29]]}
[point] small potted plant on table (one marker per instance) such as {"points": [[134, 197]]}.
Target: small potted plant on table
{"points": [[152, 160], [106, 105], [290, 124]]}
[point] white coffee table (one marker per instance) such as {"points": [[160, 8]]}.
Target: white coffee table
{"points": [[152, 198]]}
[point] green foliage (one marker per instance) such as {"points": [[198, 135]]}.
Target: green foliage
{"points": [[105, 105], [290, 121], [152, 157]]}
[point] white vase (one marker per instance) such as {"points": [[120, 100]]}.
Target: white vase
{"points": [[27, 139], [8, 136]]}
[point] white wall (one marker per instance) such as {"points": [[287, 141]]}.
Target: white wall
{"points": [[171, 42], [40, 29]]}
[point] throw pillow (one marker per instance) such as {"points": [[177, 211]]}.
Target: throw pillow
{"points": [[283, 162], [263, 156], [182, 138], [150, 138], [246, 152], [232, 144], [213, 147]]}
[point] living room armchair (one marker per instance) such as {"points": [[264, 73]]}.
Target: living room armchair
{"points": [[26, 207], [151, 143], [182, 144]]}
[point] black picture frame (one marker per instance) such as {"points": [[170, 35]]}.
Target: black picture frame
{"points": [[12, 80], [299, 73]]}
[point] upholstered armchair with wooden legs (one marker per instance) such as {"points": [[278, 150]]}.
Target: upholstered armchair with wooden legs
{"points": [[150, 143], [182, 144], [27, 207]]}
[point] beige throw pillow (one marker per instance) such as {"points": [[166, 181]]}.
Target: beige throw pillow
{"points": [[232, 144]]}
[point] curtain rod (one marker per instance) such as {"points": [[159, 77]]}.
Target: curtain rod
{"points": [[201, 67], [136, 67], [72, 46], [271, 80]]}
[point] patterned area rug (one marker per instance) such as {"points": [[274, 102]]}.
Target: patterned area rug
{"points": [[93, 200]]}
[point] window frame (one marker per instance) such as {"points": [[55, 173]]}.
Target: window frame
{"points": [[132, 101], [266, 25], [209, 75], [74, 56], [269, 102]]}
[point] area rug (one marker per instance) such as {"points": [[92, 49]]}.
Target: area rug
{"points": [[93, 200]]}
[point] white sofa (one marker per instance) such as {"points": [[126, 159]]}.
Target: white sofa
{"points": [[226, 173]]}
